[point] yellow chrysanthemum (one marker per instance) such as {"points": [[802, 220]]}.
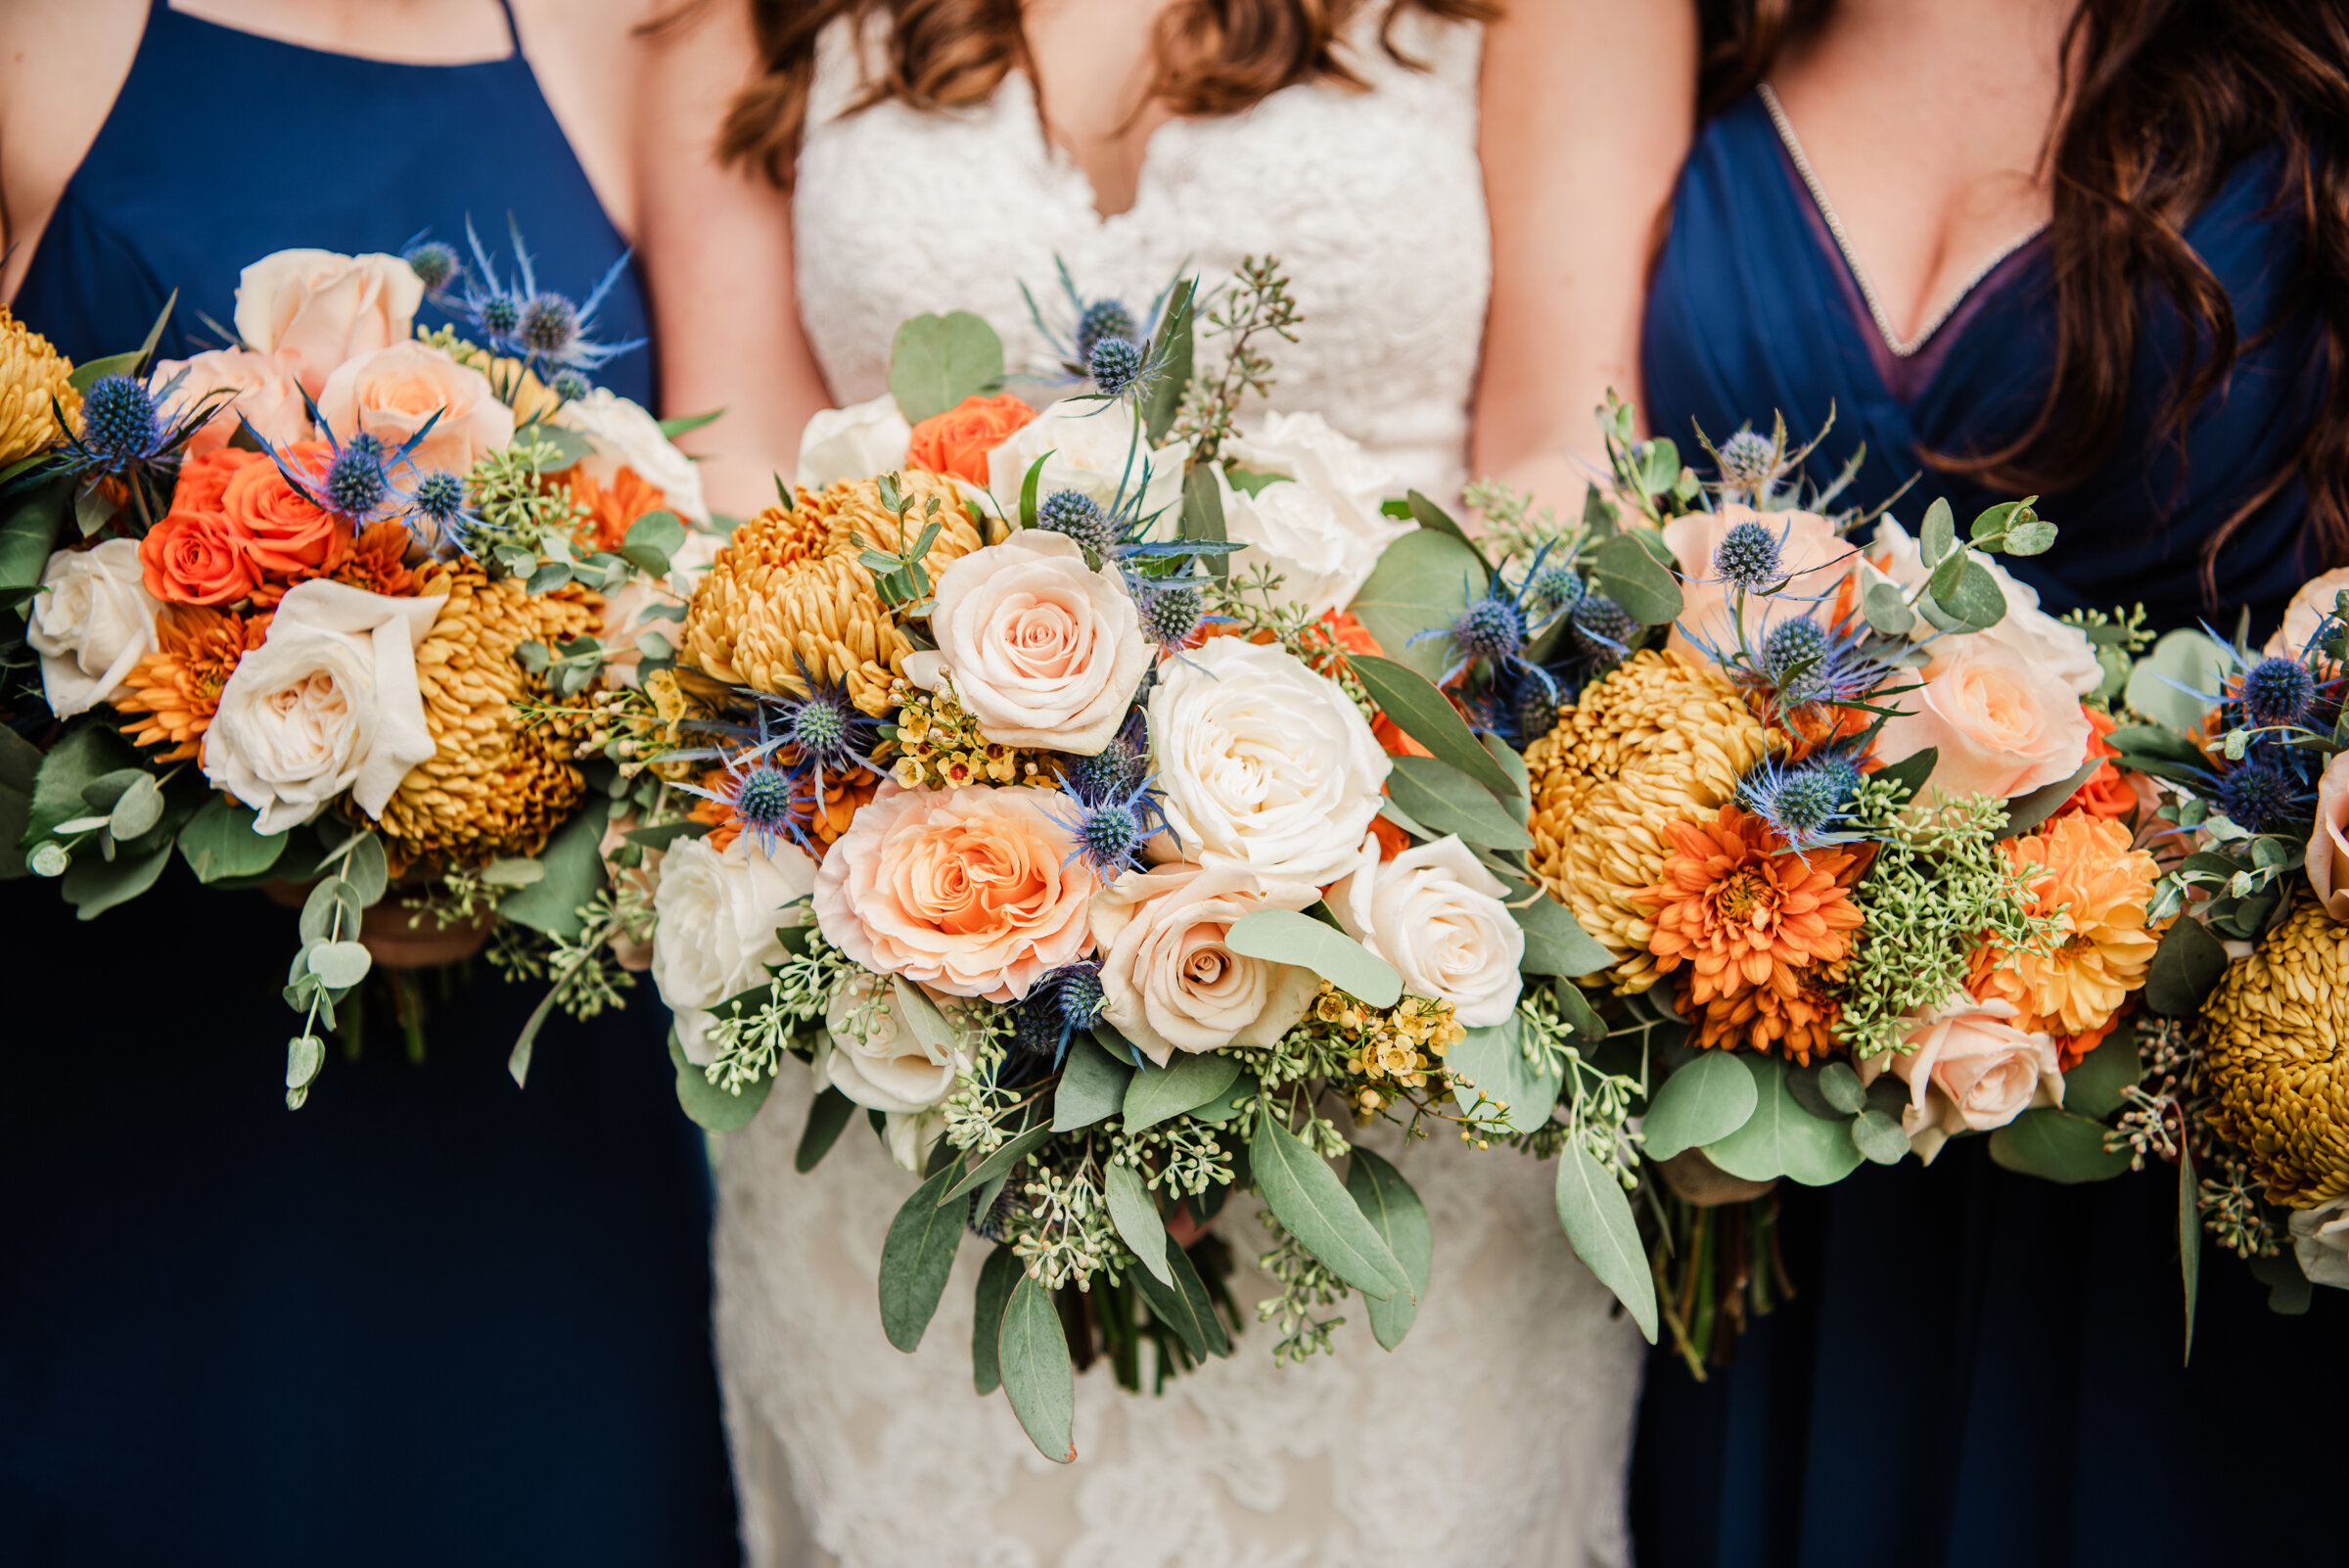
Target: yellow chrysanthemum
{"points": [[789, 588], [36, 381], [1660, 740], [2083, 871], [2276, 1048], [493, 785]]}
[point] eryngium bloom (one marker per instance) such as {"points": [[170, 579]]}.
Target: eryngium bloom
{"points": [[2274, 1052]]}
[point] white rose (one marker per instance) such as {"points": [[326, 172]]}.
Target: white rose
{"points": [[318, 308], [854, 443], [1438, 917], [1320, 526], [625, 436], [327, 703], [2321, 1243], [911, 1136], [1265, 765], [1969, 1068], [875, 1057], [2062, 651], [1045, 651], [1092, 444], [92, 622], [717, 915], [1168, 980]]}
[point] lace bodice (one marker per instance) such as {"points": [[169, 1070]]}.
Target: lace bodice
{"points": [[1497, 1436], [1374, 201]]}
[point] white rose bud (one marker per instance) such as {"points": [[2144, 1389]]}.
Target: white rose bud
{"points": [[717, 918], [1320, 526], [92, 622], [854, 443], [875, 1057], [625, 436], [1438, 917]]}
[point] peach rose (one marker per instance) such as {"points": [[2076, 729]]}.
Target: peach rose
{"points": [[1170, 984], [2004, 725], [2328, 845], [969, 892], [318, 310], [264, 390], [1970, 1070], [195, 558], [1044, 651], [393, 393], [1809, 551], [286, 537], [2306, 613], [958, 441]]}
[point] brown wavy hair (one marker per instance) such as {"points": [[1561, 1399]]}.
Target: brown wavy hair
{"points": [[2162, 100], [1214, 57]]}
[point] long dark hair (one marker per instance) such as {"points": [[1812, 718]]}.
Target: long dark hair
{"points": [[1214, 57], [2163, 98]]}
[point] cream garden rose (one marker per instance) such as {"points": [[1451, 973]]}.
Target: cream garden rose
{"points": [[2003, 725], [1319, 526], [1045, 651], [2327, 857], [719, 913], [1090, 445], [1265, 765], [853, 442], [624, 435], [2321, 1243], [264, 393], [970, 891], [328, 703], [1814, 557], [91, 623], [2030, 632], [1971, 1070], [395, 392], [1438, 917], [318, 308], [874, 1055], [1169, 983]]}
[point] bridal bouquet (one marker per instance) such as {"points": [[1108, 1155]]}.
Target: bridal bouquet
{"points": [[1044, 792], [338, 612]]}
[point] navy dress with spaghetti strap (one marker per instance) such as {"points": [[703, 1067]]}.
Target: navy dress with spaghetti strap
{"points": [[428, 1317], [1979, 1369]]}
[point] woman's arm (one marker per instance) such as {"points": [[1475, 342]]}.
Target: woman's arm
{"points": [[1587, 109], [716, 249]]}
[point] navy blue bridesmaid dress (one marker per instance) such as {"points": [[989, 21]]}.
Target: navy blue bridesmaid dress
{"points": [[1977, 1369], [428, 1317]]}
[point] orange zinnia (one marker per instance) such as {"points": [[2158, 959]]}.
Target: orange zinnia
{"points": [[178, 685], [2083, 870], [613, 509], [1754, 924]]}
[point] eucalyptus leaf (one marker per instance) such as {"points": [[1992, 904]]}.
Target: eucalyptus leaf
{"points": [[1396, 1212], [94, 885], [1203, 515], [1154, 1094], [1285, 936], [1032, 1350], [1005, 1158], [1701, 1103], [1427, 716], [574, 875], [1781, 1138], [1627, 572], [827, 1115], [2184, 967], [2189, 1243], [136, 810], [2167, 683], [1886, 609], [917, 1256], [710, 1107], [341, 965], [937, 361], [1093, 1086], [1597, 1218], [996, 1277], [2094, 1089], [1185, 1306], [2027, 810], [1175, 345], [917, 1013], [1555, 942], [220, 841], [1448, 801], [368, 870], [1306, 1197], [1937, 536], [2058, 1146], [1489, 1065], [1877, 1136], [1428, 515], [1912, 771], [1135, 1214], [1422, 582], [1840, 1086], [331, 913], [1974, 601]]}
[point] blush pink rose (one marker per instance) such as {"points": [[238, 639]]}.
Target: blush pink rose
{"points": [[2328, 845], [2004, 725], [970, 891], [1045, 651], [1971, 1070], [1814, 557], [1170, 984], [392, 392], [318, 308], [2307, 612], [264, 390]]}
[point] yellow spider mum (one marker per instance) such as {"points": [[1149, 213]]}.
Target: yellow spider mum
{"points": [[1660, 740], [32, 375], [789, 587], [2081, 869], [493, 785], [2274, 1052]]}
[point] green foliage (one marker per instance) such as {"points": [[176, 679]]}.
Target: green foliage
{"points": [[1781, 1138], [220, 841], [1427, 716], [1135, 1214], [2165, 685], [1185, 1304], [2055, 1145], [935, 362], [1396, 1212], [1175, 347], [1448, 801], [1555, 942], [1091, 1086], [827, 1114], [1285, 936], [1031, 1348], [1154, 1094], [1256, 303], [1421, 584], [1635, 573], [916, 1257], [996, 1277], [1496, 1076], [2184, 967], [1598, 1220], [715, 1109], [1703, 1102], [1314, 1206], [1307, 1285]]}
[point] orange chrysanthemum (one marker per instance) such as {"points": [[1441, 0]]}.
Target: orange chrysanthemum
{"points": [[610, 510], [2083, 870], [377, 563], [1746, 917], [177, 687]]}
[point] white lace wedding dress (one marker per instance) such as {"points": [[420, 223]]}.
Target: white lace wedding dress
{"points": [[1497, 1436]]}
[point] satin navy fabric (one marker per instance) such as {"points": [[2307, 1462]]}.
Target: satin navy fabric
{"points": [[1980, 1370], [429, 1317]]}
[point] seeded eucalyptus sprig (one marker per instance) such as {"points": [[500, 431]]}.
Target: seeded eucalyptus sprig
{"points": [[1259, 302]]}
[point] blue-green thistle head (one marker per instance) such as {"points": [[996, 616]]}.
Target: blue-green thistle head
{"points": [[571, 385], [1079, 517], [2259, 796], [1532, 709], [434, 264], [1554, 587], [762, 796], [119, 421], [501, 315], [356, 486], [2278, 691], [1101, 320], [818, 728], [1801, 802], [549, 324], [1600, 628], [1170, 614], [1114, 363], [1748, 461], [1492, 628], [440, 496], [1111, 772], [1747, 557], [1794, 655]]}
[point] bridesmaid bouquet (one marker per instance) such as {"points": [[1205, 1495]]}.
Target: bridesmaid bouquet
{"points": [[342, 612], [1045, 812]]}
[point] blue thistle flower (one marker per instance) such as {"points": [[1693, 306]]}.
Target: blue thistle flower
{"points": [[538, 326], [549, 324], [500, 316], [784, 757], [2261, 797], [1083, 325], [570, 387], [1802, 801], [1111, 772], [356, 486], [826, 731], [1103, 319], [434, 263], [1554, 588], [1079, 517], [1490, 628], [2278, 691], [359, 482], [1172, 609], [1115, 364], [1600, 630], [1748, 557], [1110, 826], [762, 799], [1748, 461], [1794, 657], [1055, 1008], [438, 516], [118, 420]]}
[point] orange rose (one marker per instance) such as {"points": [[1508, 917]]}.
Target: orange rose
{"points": [[286, 537], [958, 441], [2108, 792], [195, 558], [204, 480]]}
